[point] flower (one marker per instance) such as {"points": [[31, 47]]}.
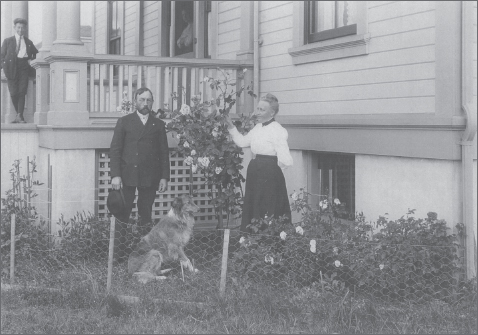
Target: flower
{"points": [[215, 132], [337, 201], [337, 263], [283, 235], [189, 160], [269, 259], [299, 230], [206, 78], [194, 168], [178, 136], [244, 70], [323, 204], [313, 249], [185, 109], [242, 239], [381, 266], [218, 170], [204, 161], [294, 196], [336, 250], [193, 152], [313, 243], [186, 144]]}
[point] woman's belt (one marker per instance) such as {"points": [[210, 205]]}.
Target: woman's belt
{"points": [[266, 157]]}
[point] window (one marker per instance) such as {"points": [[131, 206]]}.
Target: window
{"points": [[115, 23], [329, 19], [184, 16], [186, 29], [325, 30], [333, 176]]}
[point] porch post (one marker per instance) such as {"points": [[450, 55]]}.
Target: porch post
{"points": [[68, 69], [41, 66]]}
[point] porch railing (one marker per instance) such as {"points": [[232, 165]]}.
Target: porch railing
{"points": [[112, 76]]}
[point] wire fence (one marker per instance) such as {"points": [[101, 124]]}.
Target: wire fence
{"points": [[85, 247]]}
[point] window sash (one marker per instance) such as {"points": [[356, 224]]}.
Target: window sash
{"points": [[310, 33]]}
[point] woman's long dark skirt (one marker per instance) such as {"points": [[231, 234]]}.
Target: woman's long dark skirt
{"points": [[266, 192]]}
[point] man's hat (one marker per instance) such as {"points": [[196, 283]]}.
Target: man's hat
{"points": [[20, 20], [115, 202]]}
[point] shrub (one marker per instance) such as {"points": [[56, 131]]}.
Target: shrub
{"points": [[407, 258]]}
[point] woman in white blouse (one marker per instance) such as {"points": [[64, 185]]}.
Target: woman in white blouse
{"points": [[266, 193]]}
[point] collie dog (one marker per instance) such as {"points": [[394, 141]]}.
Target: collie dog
{"points": [[164, 242]]}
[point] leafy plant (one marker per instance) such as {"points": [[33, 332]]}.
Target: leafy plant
{"points": [[407, 258], [204, 141]]}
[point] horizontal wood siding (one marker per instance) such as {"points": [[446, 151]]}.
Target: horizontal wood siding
{"points": [[397, 76], [130, 28], [228, 30], [150, 28], [101, 8]]}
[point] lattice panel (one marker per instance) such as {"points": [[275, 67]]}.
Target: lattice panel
{"points": [[179, 184]]}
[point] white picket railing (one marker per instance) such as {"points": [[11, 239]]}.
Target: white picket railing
{"points": [[163, 76]]}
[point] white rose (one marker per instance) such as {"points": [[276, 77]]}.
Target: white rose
{"points": [[269, 259], [194, 168], [283, 235], [178, 136], [193, 152], [186, 144], [244, 71], [381, 266], [185, 109], [242, 239], [204, 161], [294, 196], [189, 160], [336, 250], [337, 201], [337, 263], [313, 249], [323, 204], [313, 242], [299, 230], [206, 78], [218, 170]]}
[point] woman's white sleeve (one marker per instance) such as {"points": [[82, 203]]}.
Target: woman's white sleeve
{"points": [[284, 159], [240, 140]]}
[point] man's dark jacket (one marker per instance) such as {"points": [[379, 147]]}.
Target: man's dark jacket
{"points": [[139, 154], [9, 55]]}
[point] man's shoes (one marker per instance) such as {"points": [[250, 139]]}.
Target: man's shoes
{"points": [[19, 119]]}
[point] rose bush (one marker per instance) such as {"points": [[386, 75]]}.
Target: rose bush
{"points": [[408, 258], [205, 143]]}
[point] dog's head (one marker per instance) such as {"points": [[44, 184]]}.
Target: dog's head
{"points": [[183, 205]]}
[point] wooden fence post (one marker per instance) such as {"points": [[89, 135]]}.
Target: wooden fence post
{"points": [[110, 253], [12, 249], [225, 250]]}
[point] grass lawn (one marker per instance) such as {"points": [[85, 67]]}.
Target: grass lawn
{"points": [[252, 309]]}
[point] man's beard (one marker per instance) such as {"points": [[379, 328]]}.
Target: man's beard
{"points": [[144, 111]]}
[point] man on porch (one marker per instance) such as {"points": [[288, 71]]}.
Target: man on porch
{"points": [[139, 159], [16, 53]]}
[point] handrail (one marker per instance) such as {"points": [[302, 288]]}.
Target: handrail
{"points": [[167, 61]]}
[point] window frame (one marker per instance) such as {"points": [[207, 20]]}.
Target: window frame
{"points": [[351, 40], [120, 23], [324, 34]]}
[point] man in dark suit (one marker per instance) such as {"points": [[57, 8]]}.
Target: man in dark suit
{"points": [[139, 159], [16, 52]]}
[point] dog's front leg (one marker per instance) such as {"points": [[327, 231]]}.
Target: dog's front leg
{"points": [[185, 262]]}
